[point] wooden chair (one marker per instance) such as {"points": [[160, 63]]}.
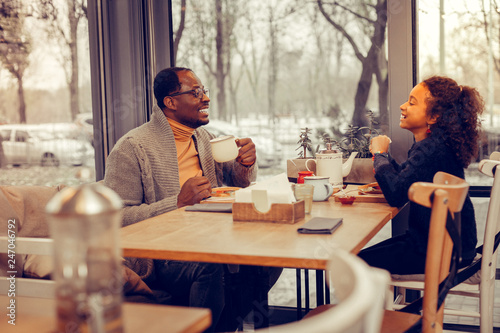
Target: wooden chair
{"points": [[478, 279], [445, 195], [32, 287], [360, 290]]}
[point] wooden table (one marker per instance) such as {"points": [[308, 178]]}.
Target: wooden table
{"points": [[39, 315], [215, 238]]}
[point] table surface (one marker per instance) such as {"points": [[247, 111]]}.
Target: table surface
{"points": [[39, 315], [215, 238]]}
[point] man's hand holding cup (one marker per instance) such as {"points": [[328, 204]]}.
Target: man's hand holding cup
{"points": [[228, 147]]}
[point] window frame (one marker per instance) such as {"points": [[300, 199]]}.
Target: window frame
{"points": [[127, 44]]}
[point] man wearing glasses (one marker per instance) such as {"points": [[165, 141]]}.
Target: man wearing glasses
{"points": [[166, 164]]}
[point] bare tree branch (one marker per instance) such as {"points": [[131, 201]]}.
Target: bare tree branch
{"points": [[351, 41], [180, 29], [354, 13]]}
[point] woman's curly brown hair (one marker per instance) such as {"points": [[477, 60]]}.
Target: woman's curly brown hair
{"points": [[458, 109]]}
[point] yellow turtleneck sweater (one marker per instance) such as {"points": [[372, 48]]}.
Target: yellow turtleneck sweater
{"points": [[187, 156]]}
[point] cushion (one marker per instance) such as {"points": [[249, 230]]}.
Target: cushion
{"points": [[26, 206]]}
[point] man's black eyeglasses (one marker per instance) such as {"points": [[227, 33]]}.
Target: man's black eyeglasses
{"points": [[197, 93]]}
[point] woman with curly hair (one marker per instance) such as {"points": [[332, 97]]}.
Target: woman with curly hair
{"points": [[444, 119]]}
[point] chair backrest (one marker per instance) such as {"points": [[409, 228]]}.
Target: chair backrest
{"points": [[12, 284], [446, 194], [492, 226], [495, 156], [360, 290], [454, 185]]}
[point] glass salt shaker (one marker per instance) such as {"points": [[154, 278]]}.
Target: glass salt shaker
{"points": [[84, 223]]}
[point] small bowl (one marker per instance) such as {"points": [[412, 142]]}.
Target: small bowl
{"points": [[347, 200]]}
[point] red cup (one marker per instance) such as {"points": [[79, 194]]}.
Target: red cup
{"points": [[302, 174]]}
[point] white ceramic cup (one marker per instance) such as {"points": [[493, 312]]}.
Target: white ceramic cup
{"points": [[224, 148], [322, 187]]}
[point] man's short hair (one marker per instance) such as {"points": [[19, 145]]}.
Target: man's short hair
{"points": [[166, 83]]}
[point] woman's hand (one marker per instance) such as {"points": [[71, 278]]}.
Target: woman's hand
{"points": [[380, 144]]}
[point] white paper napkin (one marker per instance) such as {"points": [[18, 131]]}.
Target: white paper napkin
{"points": [[273, 190]]}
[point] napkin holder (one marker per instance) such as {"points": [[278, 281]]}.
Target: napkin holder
{"points": [[278, 213]]}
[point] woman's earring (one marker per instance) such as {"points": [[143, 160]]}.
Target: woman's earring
{"points": [[428, 129]]}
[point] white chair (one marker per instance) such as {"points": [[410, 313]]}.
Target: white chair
{"points": [[33, 287], [360, 291], [482, 283]]}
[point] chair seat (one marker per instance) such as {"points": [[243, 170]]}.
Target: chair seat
{"points": [[319, 309], [393, 321], [473, 280], [419, 285], [396, 322]]}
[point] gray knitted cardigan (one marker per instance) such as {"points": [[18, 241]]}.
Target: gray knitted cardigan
{"points": [[143, 169]]}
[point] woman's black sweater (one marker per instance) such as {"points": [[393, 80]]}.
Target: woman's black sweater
{"points": [[425, 159]]}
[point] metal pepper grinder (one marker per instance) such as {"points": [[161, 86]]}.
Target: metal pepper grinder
{"points": [[84, 223]]}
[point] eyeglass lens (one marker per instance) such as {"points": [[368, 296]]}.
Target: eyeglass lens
{"points": [[200, 92]]}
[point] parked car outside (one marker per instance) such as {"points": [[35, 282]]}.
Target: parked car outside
{"points": [[269, 152], [44, 144]]}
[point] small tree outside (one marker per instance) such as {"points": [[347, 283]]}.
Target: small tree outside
{"points": [[372, 18], [15, 48], [62, 27]]}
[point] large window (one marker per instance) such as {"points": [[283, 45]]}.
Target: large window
{"points": [[460, 39], [275, 67], [45, 100]]}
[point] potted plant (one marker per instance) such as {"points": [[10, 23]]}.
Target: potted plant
{"points": [[355, 139], [299, 164], [304, 143]]}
